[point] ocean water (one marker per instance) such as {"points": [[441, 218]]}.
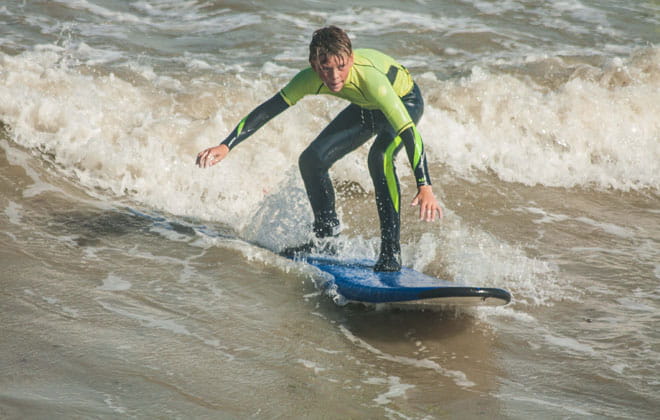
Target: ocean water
{"points": [[136, 285]]}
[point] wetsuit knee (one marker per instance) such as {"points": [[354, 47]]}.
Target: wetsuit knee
{"points": [[314, 171], [310, 162], [375, 162], [382, 170]]}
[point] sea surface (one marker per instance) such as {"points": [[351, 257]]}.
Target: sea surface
{"points": [[134, 284]]}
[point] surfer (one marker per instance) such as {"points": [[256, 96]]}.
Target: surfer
{"points": [[385, 102]]}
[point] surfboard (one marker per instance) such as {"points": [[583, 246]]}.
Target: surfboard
{"points": [[357, 282]]}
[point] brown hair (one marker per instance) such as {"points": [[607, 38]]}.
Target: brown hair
{"points": [[328, 41]]}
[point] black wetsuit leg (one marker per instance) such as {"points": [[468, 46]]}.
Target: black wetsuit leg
{"points": [[353, 127], [385, 147], [344, 134]]}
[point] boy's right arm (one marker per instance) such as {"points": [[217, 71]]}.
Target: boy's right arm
{"points": [[245, 128]]}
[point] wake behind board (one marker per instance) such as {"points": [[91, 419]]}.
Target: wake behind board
{"points": [[356, 281]]}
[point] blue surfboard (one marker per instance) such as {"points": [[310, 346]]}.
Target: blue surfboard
{"points": [[356, 281]]}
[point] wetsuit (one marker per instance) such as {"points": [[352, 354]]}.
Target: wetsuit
{"points": [[385, 102]]}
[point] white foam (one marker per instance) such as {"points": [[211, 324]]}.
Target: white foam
{"points": [[561, 406], [94, 56], [570, 344], [283, 218], [125, 138], [115, 284], [110, 402], [619, 368], [327, 351], [609, 228], [598, 250], [422, 252], [457, 376], [67, 310], [197, 64], [475, 257], [546, 217], [14, 213], [396, 389], [486, 313], [169, 233], [143, 316], [18, 157], [122, 17], [636, 305], [496, 8], [379, 21], [311, 365], [193, 17], [599, 128]]}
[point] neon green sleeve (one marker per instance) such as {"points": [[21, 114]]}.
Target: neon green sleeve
{"points": [[384, 98], [306, 82]]}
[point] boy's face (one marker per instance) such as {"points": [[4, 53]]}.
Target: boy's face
{"points": [[334, 71]]}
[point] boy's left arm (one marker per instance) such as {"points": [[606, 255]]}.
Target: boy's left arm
{"points": [[425, 199]]}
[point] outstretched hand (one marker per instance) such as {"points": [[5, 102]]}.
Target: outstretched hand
{"points": [[211, 156], [428, 205]]}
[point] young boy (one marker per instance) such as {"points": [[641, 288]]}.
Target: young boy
{"points": [[385, 102]]}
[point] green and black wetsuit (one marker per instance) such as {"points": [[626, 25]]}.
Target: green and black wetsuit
{"points": [[386, 103]]}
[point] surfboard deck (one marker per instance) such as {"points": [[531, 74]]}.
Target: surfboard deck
{"points": [[356, 281]]}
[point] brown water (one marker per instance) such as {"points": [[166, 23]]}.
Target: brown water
{"points": [[107, 314], [131, 282]]}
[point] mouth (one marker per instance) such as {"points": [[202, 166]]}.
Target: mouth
{"points": [[335, 86]]}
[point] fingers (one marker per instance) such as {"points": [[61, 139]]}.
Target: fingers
{"points": [[201, 159], [428, 210], [429, 213], [206, 158], [211, 156], [432, 211]]}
